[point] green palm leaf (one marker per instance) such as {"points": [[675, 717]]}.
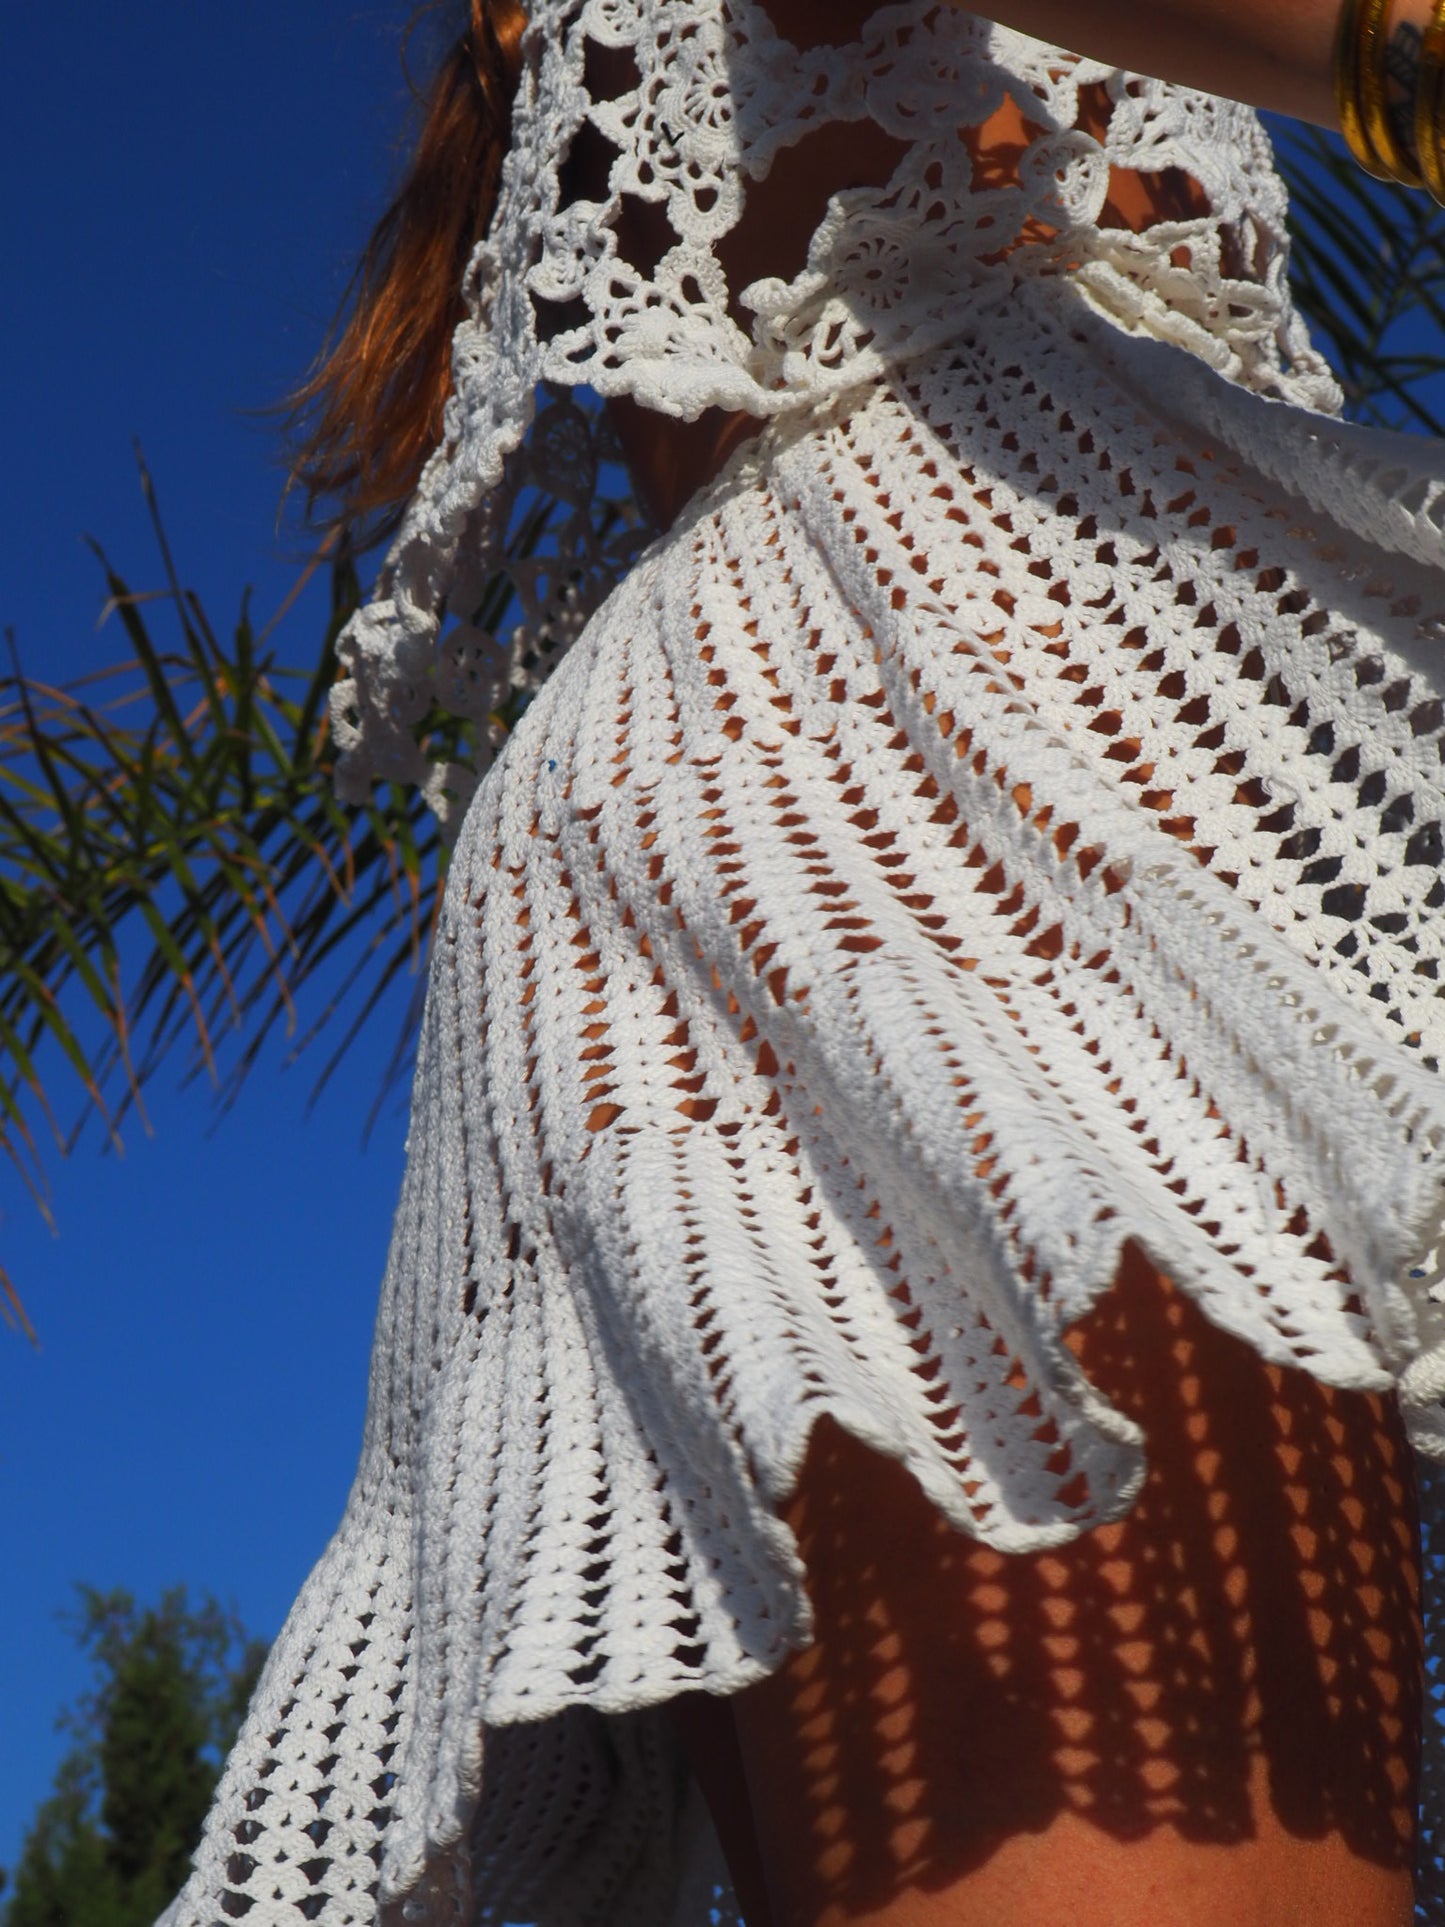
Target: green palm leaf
{"points": [[1368, 273], [177, 877]]}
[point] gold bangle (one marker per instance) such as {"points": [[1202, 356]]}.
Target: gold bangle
{"points": [[1355, 18], [1374, 96], [1429, 96]]}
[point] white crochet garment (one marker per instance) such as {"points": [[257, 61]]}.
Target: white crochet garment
{"points": [[1001, 819]]}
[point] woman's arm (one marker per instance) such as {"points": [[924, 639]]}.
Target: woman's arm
{"points": [[1277, 54]]}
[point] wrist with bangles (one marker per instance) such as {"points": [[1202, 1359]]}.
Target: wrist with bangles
{"points": [[1391, 103]]}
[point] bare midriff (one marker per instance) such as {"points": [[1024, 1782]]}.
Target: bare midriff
{"points": [[670, 459]]}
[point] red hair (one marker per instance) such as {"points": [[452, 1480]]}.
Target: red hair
{"points": [[371, 411]]}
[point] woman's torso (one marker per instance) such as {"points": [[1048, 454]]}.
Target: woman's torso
{"points": [[670, 459]]}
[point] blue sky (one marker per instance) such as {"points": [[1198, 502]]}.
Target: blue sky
{"points": [[187, 188]]}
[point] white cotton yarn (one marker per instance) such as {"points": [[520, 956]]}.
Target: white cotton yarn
{"points": [[1003, 818], [892, 272]]}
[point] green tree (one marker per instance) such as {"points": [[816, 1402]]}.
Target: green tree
{"points": [[111, 1845]]}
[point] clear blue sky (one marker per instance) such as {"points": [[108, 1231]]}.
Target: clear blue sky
{"points": [[187, 187]]}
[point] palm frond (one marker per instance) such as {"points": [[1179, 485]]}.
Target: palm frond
{"points": [[1368, 272], [174, 869], [177, 877]]}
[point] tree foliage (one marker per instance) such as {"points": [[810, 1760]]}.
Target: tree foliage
{"points": [[111, 1845]]}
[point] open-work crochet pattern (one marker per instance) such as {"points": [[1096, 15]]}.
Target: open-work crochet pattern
{"points": [[1002, 819]]}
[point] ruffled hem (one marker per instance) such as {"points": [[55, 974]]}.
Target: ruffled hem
{"points": [[997, 825]]}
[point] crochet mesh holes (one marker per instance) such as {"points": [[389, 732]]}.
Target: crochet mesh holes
{"points": [[1390, 944], [1047, 941], [825, 1286], [552, 1783], [751, 238], [307, 1800], [956, 1354], [1390, 906], [505, 916], [1139, 199], [1136, 199], [643, 231], [518, 968], [1367, 855], [1314, 1248], [852, 932]]}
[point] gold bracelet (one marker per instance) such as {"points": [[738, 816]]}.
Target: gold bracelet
{"points": [[1357, 17], [1374, 96], [1429, 102]]}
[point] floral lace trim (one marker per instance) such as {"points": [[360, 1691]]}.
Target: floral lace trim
{"points": [[892, 272]]}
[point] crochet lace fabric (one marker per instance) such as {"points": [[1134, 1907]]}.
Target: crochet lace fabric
{"points": [[1002, 819], [891, 273]]}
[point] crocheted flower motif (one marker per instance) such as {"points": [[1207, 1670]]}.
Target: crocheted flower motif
{"points": [[891, 272]]}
